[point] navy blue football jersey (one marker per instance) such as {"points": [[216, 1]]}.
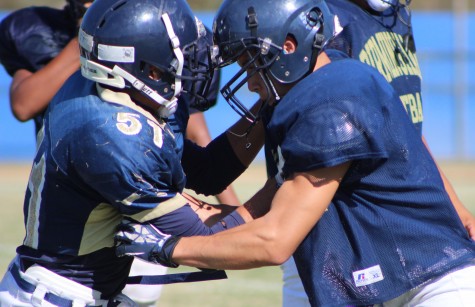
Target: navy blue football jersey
{"points": [[99, 157], [390, 226]]}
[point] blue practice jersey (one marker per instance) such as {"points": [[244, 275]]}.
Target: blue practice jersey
{"points": [[390, 226], [384, 41], [99, 157]]}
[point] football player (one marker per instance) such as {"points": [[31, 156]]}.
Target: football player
{"points": [[39, 49], [110, 147], [378, 33], [362, 205]]}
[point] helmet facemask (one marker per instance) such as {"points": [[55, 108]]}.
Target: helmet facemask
{"points": [[263, 33], [255, 56], [197, 75]]}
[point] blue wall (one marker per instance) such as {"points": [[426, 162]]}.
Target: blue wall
{"points": [[434, 35]]}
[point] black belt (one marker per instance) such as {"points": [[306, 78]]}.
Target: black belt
{"points": [[176, 278]]}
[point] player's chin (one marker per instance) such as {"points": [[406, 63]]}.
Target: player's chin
{"points": [[270, 101]]}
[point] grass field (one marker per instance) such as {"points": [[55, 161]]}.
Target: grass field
{"points": [[258, 287]]}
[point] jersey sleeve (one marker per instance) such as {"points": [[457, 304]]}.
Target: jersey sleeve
{"points": [[329, 126], [31, 37], [211, 169], [9, 57], [130, 162]]}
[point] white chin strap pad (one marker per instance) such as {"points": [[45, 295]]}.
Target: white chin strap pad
{"points": [[380, 5]]}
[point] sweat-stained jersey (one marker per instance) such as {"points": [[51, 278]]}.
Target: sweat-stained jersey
{"points": [[390, 226], [99, 157], [384, 41]]}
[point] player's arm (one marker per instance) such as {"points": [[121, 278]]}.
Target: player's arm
{"points": [[30, 93], [257, 206], [269, 240], [197, 131], [465, 215], [212, 168]]}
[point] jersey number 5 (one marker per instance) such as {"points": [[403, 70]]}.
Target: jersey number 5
{"points": [[129, 124]]}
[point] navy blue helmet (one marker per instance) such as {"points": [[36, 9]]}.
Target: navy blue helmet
{"points": [[124, 42], [259, 30]]}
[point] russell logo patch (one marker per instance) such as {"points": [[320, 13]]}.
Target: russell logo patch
{"points": [[368, 276]]}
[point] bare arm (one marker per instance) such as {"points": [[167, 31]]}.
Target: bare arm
{"points": [[257, 206], [271, 239], [246, 139], [30, 93], [465, 215]]}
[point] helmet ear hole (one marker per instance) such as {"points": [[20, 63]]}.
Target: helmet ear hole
{"points": [[290, 44], [154, 73]]}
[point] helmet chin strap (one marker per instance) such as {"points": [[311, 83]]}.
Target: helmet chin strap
{"points": [[169, 106]]}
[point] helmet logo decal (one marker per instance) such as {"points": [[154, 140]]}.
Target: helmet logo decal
{"points": [[120, 54]]}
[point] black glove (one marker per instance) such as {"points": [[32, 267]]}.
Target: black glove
{"points": [[146, 242]]}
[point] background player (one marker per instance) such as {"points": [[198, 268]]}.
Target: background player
{"points": [[39, 49], [356, 210]]}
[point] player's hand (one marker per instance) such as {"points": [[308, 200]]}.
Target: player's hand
{"points": [[470, 227], [146, 242], [209, 213]]}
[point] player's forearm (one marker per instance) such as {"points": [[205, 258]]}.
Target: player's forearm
{"points": [[30, 93], [237, 248], [228, 196], [210, 170], [259, 204], [246, 139], [467, 218]]}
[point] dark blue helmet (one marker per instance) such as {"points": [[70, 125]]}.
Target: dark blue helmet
{"points": [[124, 42], [260, 28]]}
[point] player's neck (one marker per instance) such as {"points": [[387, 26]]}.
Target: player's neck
{"points": [[322, 60]]}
